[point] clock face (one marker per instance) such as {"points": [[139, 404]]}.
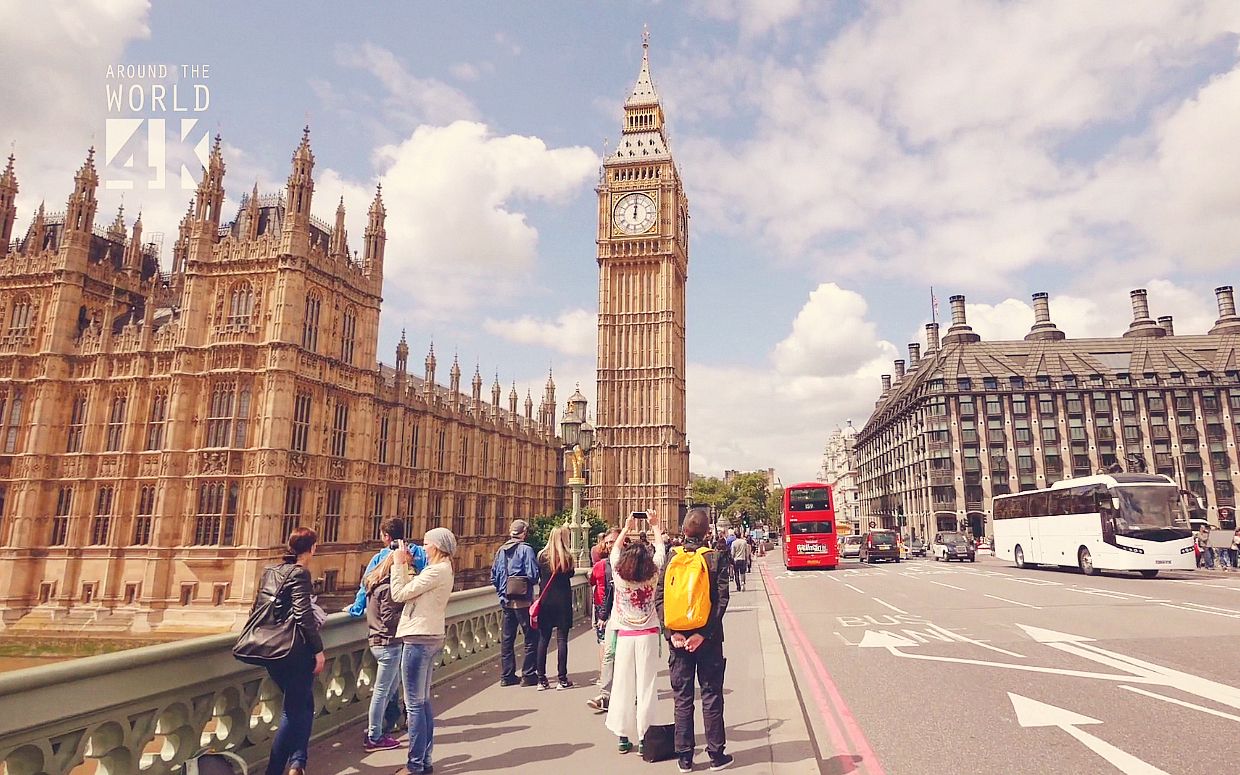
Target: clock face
{"points": [[634, 213]]}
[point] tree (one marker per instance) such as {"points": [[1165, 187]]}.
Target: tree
{"points": [[712, 491], [540, 527]]}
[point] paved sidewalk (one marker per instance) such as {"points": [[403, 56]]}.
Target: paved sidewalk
{"points": [[482, 727]]}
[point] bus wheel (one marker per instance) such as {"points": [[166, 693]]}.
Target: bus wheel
{"points": [[1086, 561], [1020, 556], [1149, 573]]}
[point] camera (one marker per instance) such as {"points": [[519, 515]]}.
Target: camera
{"points": [[394, 545], [638, 515]]}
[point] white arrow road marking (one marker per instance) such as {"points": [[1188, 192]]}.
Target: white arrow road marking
{"points": [[963, 639], [1031, 713], [884, 639], [1149, 672], [1181, 703], [1014, 602]]}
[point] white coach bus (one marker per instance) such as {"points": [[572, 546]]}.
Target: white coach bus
{"points": [[1122, 522]]}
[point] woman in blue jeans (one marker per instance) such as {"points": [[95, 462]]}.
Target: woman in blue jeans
{"points": [[382, 618], [421, 633], [295, 673]]}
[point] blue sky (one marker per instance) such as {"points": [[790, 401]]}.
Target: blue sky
{"points": [[840, 158]]}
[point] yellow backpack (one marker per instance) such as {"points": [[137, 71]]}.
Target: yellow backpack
{"points": [[686, 590]]}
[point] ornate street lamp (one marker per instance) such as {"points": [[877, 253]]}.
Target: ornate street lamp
{"points": [[578, 436]]}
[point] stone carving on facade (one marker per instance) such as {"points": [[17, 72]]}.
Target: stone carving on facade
{"points": [[297, 464], [212, 462]]}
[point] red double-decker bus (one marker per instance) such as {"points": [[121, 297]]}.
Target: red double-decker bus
{"points": [[809, 527]]}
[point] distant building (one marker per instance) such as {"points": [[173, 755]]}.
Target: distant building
{"points": [[839, 469], [972, 419], [768, 475], [162, 433]]}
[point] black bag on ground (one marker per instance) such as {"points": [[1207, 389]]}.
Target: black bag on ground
{"points": [[659, 744], [270, 634]]}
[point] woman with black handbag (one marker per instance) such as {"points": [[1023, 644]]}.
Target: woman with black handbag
{"points": [[282, 635]]}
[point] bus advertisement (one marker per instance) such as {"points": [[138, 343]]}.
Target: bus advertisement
{"points": [[809, 527], [1115, 522]]}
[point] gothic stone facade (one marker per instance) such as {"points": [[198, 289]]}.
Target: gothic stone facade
{"points": [[161, 433], [643, 258], [971, 419]]}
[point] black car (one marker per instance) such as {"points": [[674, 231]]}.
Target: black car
{"points": [[953, 546], [879, 545]]}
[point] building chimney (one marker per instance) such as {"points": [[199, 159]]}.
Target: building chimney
{"points": [[932, 339], [899, 363], [1228, 322], [1167, 325], [914, 356], [886, 384], [1142, 324], [1043, 329], [960, 332]]}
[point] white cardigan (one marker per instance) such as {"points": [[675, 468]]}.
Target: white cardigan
{"points": [[425, 597]]}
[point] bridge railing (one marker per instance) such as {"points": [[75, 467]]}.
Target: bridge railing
{"points": [[147, 710]]}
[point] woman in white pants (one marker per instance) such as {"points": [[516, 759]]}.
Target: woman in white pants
{"points": [[635, 574]]}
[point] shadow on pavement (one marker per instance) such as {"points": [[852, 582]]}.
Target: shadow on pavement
{"points": [[840, 765], [483, 718], [477, 734]]}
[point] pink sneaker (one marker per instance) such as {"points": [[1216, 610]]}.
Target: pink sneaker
{"points": [[385, 743]]}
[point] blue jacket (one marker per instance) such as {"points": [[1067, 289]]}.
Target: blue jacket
{"points": [[359, 603], [517, 556]]}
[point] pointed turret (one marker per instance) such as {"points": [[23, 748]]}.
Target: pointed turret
{"points": [[8, 205], [340, 244], [210, 196], [512, 400], [37, 232], [477, 388], [402, 354], [301, 179], [529, 405], [375, 237], [133, 250], [117, 230], [80, 212], [429, 387], [643, 134], [249, 215], [180, 248], [495, 391], [454, 375]]}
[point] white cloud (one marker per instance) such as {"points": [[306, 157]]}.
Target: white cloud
{"points": [[757, 17], [409, 99], [467, 71], [573, 332], [830, 335]]}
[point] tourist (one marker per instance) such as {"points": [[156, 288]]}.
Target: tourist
{"points": [[1205, 555], [742, 553], [698, 651], [603, 588], [382, 617], [295, 673], [421, 633], [555, 565], [514, 572], [636, 568], [392, 531]]}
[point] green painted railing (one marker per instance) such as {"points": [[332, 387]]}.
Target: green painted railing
{"points": [[148, 710]]}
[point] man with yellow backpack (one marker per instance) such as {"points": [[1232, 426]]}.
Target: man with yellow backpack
{"points": [[691, 601]]}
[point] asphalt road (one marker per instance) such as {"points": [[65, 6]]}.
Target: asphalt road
{"points": [[928, 667]]}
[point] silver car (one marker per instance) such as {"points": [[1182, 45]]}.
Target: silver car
{"points": [[850, 546]]}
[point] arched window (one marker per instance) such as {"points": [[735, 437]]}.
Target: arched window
{"points": [[156, 421], [220, 415], [21, 316], [116, 423], [77, 424], [348, 335], [241, 305], [310, 327], [10, 420]]}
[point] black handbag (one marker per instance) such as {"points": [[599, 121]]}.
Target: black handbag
{"points": [[659, 743], [270, 634]]}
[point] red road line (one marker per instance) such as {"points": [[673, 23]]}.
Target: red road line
{"points": [[823, 687]]}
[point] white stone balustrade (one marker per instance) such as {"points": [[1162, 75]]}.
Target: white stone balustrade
{"points": [[146, 710]]}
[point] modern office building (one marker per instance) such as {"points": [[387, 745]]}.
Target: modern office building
{"points": [[968, 419], [162, 432]]}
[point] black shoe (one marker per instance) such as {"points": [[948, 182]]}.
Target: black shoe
{"points": [[718, 761], [685, 762], [566, 684], [509, 681], [529, 680], [543, 684]]}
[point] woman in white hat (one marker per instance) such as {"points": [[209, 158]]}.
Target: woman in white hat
{"points": [[421, 632]]}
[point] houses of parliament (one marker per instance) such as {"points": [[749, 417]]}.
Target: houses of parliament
{"points": [[162, 432]]}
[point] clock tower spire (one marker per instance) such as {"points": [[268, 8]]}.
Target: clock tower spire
{"points": [[643, 257]]}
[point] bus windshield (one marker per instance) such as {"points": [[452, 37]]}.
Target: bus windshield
{"points": [[1149, 512], [809, 499]]}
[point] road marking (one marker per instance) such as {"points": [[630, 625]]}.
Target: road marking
{"points": [[1201, 611], [1204, 584], [1095, 593], [1031, 713], [963, 639], [1014, 602], [1181, 703], [889, 605], [837, 581], [1111, 592], [854, 589], [1203, 605], [823, 688], [950, 586]]}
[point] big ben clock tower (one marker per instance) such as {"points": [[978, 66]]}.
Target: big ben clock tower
{"points": [[643, 259]]}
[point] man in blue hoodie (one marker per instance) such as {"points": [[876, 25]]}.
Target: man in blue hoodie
{"points": [[514, 574], [393, 530]]}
